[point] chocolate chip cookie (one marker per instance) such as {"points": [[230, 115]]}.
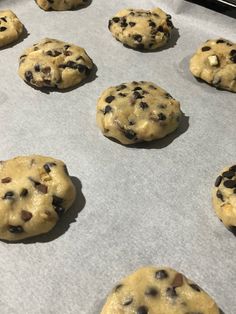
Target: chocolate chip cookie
{"points": [[137, 111], [224, 196], [54, 63], [34, 193], [141, 29], [11, 28], [215, 63], [60, 5], [152, 290]]}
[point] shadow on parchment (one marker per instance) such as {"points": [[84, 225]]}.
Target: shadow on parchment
{"points": [[23, 36], [65, 221], [47, 90]]}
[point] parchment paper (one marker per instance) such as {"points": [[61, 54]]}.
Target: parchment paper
{"points": [[138, 206]]}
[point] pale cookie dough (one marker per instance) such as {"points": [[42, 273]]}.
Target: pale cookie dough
{"points": [[54, 63], [141, 29], [224, 196], [11, 28], [60, 5], [152, 290], [215, 63], [34, 192], [136, 112]]}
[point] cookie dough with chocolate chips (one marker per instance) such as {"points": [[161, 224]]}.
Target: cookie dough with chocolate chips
{"points": [[141, 29], [54, 63], [215, 63], [60, 5], [34, 192], [224, 196], [152, 290], [11, 28], [136, 112]]}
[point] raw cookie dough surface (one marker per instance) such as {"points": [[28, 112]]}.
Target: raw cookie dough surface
{"points": [[136, 112], [215, 63], [141, 29], [224, 196], [152, 290], [60, 5], [54, 63], [34, 192], [10, 28]]}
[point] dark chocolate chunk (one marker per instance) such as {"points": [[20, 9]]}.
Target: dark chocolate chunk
{"points": [[220, 195], [37, 68], [228, 174], [206, 48], [128, 301], [195, 287], [6, 180], [143, 105], [56, 200], [151, 292], [178, 280], [233, 168], [171, 292], [220, 41], [132, 24], [130, 134], [218, 181], [41, 188], [138, 38], [161, 274], [15, 229], [2, 28], [9, 195], [230, 184], [123, 23], [25, 215], [109, 99], [24, 193], [107, 109], [116, 19], [28, 76], [142, 310]]}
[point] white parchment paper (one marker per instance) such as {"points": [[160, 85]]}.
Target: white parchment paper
{"points": [[138, 206]]}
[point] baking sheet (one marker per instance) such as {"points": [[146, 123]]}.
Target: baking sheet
{"points": [[137, 206]]}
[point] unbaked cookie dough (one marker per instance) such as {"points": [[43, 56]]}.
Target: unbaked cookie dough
{"points": [[152, 290], [137, 111], [215, 63], [10, 28], [141, 29], [54, 63], [34, 192], [224, 196], [60, 5]]}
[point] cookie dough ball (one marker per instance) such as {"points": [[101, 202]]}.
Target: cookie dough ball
{"points": [[141, 29], [11, 28], [34, 192], [215, 63], [152, 290], [54, 63], [60, 5], [224, 196], [136, 112]]}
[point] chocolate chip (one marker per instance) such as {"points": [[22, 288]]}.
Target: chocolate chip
{"points": [[195, 287], [122, 94], [68, 53], [233, 55], [47, 167], [143, 105], [83, 69], [53, 53], [220, 41], [160, 29], [8, 195], [132, 24], [128, 301], [116, 19], [220, 195], [46, 70], [228, 174], [152, 24], [41, 188], [171, 292], [206, 48], [3, 19], [15, 229], [6, 180], [178, 280], [233, 168], [107, 109], [218, 181], [161, 106], [24, 193], [118, 287], [120, 87], [161, 274], [59, 210], [137, 88], [152, 87], [2, 28], [56, 200], [138, 38], [230, 184], [109, 99], [137, 95], [142, 310], [25, 215], [67, 46], [151, 292], [130, 134], [28, 76], [161, 116], [37, 68]]}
